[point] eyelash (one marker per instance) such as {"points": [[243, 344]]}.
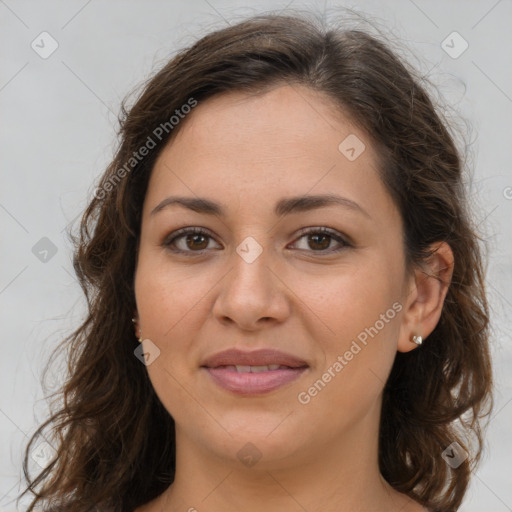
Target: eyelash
{"points": [[180, 233]]}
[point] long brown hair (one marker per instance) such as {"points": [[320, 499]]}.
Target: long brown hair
{"points": [[114, 440]]}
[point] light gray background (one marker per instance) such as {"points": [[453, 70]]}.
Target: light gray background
{"points": [[58, 117]]}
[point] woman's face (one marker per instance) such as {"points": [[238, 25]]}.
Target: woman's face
{"points": [[262, 278]]}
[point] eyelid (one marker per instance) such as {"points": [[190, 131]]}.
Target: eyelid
{"points": [[189, 230], [194, 230], [333, 233]]}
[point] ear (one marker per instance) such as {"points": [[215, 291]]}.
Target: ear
{"points": [[426, 291]]}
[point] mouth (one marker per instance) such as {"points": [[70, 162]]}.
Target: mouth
{"points": [[255, 369], [253, 373]]}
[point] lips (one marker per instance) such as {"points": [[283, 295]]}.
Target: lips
{"points": [[264, 357], [253, 373]]}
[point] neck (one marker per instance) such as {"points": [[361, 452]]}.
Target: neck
{"points": [[341, 477]]}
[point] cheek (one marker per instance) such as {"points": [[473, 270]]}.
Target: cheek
{"points": [[167, 298], [345, 301], [359, 313], [339, 310], [168, 307]]}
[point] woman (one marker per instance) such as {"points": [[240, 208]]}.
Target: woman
{"points": [[286, 298]]}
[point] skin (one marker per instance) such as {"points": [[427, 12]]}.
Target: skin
{"points": [[247, 152]]}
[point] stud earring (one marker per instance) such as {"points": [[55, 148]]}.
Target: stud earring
{"points": [[134, 320], [417, 339]]}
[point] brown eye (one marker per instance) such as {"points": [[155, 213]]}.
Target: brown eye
{"points": [[196, 241], [320, 240], [188, 240]]}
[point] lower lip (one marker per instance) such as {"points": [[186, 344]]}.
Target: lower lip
{"points": [[253, 383]]}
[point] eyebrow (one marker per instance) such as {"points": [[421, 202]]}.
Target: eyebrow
{"points": [[284, 206]]}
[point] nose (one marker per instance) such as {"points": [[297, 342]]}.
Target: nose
{"points": [[252, 294]]}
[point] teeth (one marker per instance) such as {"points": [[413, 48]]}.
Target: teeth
{"points": [[256, 369]]}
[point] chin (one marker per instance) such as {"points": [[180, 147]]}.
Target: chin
{"points": [[263, 443]]}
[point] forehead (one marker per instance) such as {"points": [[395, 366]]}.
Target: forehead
{"points": [[289, 140], [258, 124]]}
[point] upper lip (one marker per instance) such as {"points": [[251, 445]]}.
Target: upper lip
{"points": [[262, 357]]}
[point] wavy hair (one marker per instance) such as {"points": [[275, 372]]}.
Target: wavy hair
{"points": [[107, 417]]}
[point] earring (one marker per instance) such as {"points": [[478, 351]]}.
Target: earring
{"points": [[417, 339], [134, 320]]}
